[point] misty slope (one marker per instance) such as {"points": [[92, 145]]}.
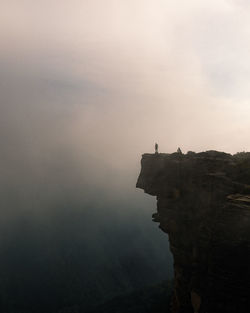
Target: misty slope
{"points": [[151, 299], [75, 257]]}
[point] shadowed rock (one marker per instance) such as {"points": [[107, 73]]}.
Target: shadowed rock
{"points": [[203, 204]]}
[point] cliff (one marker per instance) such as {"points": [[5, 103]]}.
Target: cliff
{"points": [[203, 204]]}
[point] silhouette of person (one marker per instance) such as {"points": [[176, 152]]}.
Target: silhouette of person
{"points": [[179, 150], [156, 147]]}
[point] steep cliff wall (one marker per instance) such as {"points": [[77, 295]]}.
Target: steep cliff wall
{"points": [[203, 204]]}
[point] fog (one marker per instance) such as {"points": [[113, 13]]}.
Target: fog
{"points": [[86, 87]]}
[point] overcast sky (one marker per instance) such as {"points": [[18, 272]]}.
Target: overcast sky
{"points": [[87, 86]]}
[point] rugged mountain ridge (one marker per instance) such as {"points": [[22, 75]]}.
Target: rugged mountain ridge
{"points": [[203, 204]]}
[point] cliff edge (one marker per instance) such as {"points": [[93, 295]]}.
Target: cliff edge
{"points": [[203, 204]]}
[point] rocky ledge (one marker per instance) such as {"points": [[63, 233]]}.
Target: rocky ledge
{"points": [[203, 204]]}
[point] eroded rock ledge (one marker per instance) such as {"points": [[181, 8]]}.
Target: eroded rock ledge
{"points": [[203, 204]]}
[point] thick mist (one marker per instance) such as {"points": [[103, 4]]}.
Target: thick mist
{"points": [[86, 87], [73, 226]]}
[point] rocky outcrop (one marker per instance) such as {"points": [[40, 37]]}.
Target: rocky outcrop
{"points": [[203, 204]]}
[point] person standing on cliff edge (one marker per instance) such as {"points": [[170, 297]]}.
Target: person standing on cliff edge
{"points": [[156, 147]]}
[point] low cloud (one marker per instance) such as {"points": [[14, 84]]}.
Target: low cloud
{"points": [[87, 87]]}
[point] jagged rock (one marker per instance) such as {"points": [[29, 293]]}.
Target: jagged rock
{"points": [[203, 204]]}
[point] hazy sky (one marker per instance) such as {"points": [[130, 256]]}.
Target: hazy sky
{"points": [[87, 86]]}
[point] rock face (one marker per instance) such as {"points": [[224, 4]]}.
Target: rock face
{"points": [[203, 204]]}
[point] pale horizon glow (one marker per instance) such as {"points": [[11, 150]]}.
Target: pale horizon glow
{"points": [[97, 83]]}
